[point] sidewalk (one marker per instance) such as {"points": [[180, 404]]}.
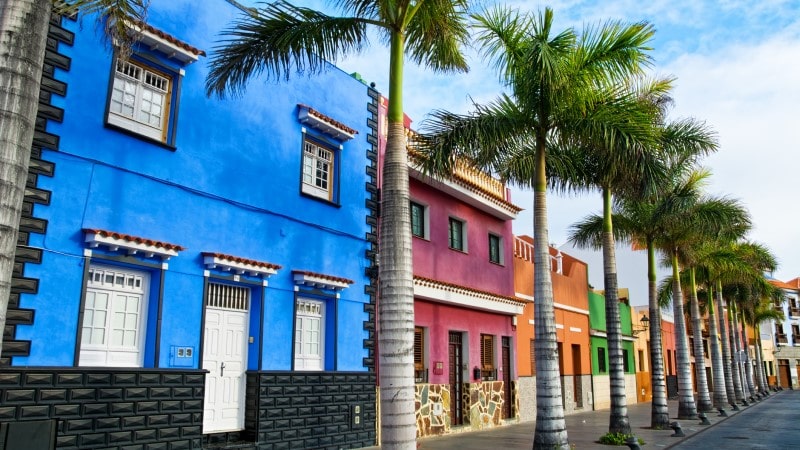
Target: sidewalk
{"points": [[584, 430]]}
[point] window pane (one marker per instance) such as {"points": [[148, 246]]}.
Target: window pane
{"points": [[417, 220]]}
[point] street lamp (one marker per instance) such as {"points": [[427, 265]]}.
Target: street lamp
{"points": [[644, 323]]}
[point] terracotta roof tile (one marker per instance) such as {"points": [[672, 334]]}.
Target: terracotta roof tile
{"points": [[169, 38], [134, 239], [457, 287], [323, 276], [237, 259], [327, 119], [782, 285]]}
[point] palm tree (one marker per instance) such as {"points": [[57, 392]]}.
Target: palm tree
{"points": [[638, 218], [763, 311], [556, 82], [701, 218], [23, 27], [279, 38]]}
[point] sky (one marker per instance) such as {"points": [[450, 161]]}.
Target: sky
{"points": [[737, 67]]}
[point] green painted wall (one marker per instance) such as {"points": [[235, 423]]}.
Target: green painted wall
{"points": [[597, 321]]}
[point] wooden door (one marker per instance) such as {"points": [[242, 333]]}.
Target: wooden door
{"points": [[456, 378]]}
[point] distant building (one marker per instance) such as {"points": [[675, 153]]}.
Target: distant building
{"points": [[786, 334], [601, 383]]}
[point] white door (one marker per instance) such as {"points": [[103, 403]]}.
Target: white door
{"points": [[225, 357]]}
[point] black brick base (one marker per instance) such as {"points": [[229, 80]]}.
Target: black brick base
{"points": [[328, 410], [108, 408]]}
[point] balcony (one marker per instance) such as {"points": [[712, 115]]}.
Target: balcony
{"points": [[781, 339], [794, 311], [524, 250], [467, 184], [796, 339]]}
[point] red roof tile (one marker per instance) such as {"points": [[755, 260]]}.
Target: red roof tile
{"points": [[323, 276], [169, 38], [134, 239], [327, 119], [240, 260], [781, 284], [454, 286]]}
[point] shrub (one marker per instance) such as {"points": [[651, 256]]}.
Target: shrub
{"points": [[617, 439]]}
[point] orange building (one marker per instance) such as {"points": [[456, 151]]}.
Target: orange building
{"points": [[641, 330], [570, 293]]}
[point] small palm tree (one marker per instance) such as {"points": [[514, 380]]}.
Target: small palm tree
{"points": [[556, 84], [24, 28], [279, 38]]}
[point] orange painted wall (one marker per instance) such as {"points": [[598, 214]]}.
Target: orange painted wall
{"points": [[570, 289]]}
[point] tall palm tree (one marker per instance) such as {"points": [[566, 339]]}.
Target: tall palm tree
{"points": [[280, 38], [623, 168], [763, 311], [23, 34], [702, 218], [555, 83], [641, 220]]}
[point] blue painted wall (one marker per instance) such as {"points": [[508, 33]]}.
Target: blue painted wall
{"points": [[231, 185]]}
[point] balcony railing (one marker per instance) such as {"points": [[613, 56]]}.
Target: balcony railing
{"points": [[794, 311], [524, 250], [781, 339], [796, 339], [420, 375]]}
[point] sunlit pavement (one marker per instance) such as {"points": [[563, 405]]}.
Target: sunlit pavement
{"points": [[585, 429]]}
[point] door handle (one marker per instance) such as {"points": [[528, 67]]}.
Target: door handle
{"points": [[221, 368]]}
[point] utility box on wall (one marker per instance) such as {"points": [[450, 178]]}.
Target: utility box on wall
{"points": [[181, 356]]}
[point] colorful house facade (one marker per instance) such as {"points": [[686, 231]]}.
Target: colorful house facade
{"points": [[570, 286], [464, 304], [601, 383], [786, 335], [640, 326], [193, 270]]}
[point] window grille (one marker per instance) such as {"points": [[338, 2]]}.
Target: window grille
{"points": [[225, 296]]}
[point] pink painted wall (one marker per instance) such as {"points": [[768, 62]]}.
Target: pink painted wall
{"points": [[440, 319], [434, 259]]}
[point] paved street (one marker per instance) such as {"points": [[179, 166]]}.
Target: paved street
{"points": [[777, 416], [768, 425]]}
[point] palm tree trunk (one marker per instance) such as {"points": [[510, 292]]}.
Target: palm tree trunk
{"points": [[23, 33], [659, 411], [687, 408], [726, 350], [720, 396], [762, 377], [736, 367], [551, 427], [703, 397], [618, 421], [746, 357], [396, 303]]}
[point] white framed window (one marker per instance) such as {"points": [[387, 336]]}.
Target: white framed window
{"points": [[419, 220], [140, 99], [457, 234], [309, 335], [114, 317], [318, 170]]}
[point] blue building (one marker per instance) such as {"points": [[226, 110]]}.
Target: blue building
{"points": [[193, 271]]}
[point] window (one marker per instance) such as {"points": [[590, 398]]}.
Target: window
{"points": [[309, 333], [419, 220], [488, 372], [420, 373], [601, 360], [140, 99], [318, 170], [457, 233], [626, 366], [114, 318], [495, 249]]}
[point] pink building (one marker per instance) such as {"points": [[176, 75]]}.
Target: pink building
{"points": [[464, 301]]}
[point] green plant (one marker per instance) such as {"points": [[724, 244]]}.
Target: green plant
{"points": [[617, 439]]}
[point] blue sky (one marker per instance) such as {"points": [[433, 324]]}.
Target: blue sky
{"points": [[737, 64]]}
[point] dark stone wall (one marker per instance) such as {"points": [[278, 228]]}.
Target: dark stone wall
{"points": [[295, 410], [109, 408]]}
